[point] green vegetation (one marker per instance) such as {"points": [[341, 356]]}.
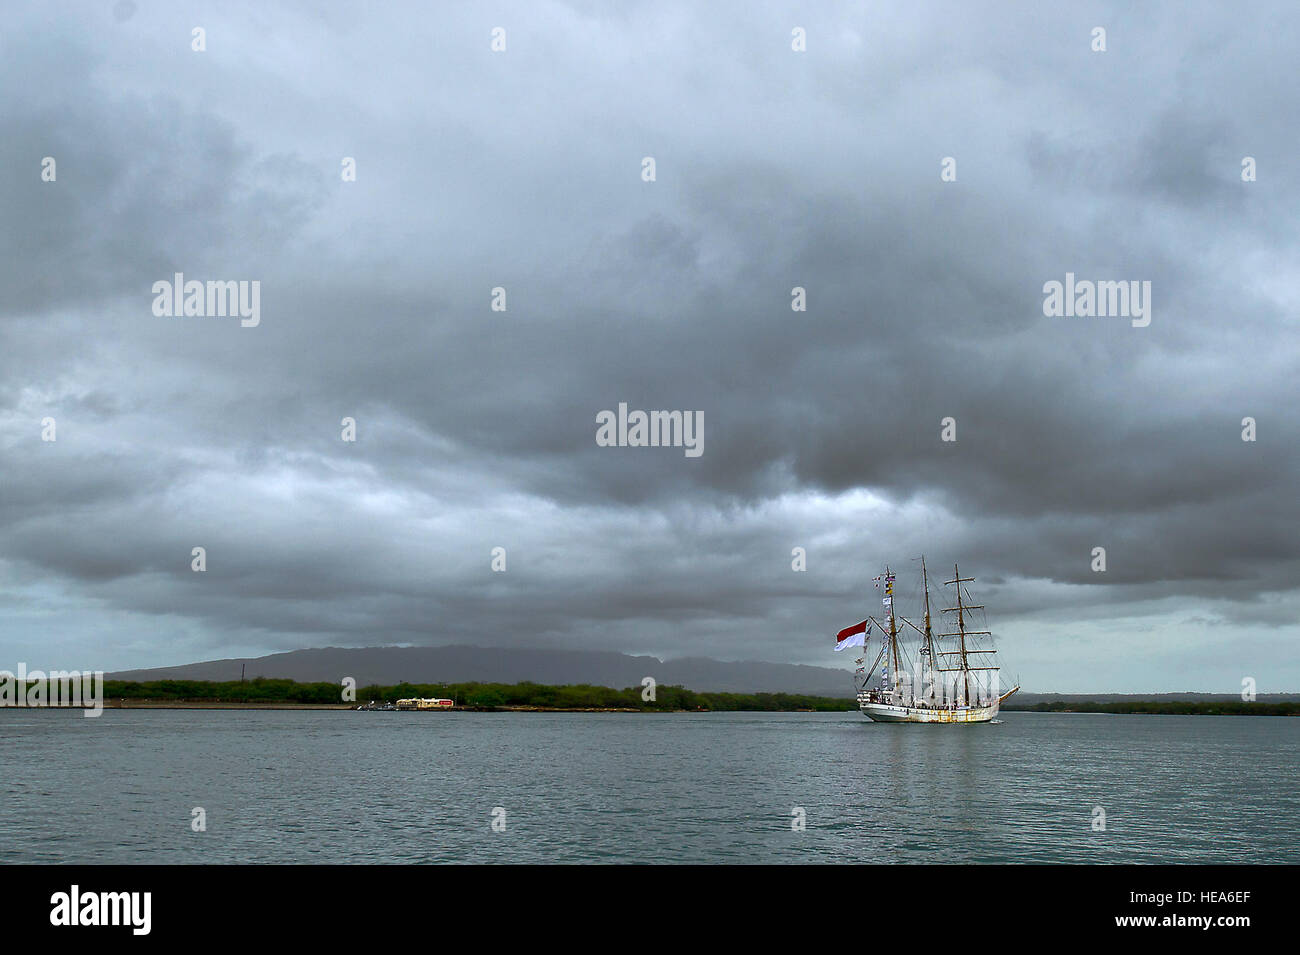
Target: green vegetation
{"points": [[485, 695], [1167, 707], [203, 691]]}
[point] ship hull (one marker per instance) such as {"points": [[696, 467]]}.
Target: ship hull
{"points": [[894, 713]]}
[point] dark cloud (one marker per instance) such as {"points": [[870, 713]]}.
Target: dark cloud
{"points": [[822, 428]]}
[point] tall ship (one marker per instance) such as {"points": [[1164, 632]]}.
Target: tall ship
{"points": [[919, 676]]}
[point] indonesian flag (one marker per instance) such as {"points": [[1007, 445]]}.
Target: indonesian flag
{"points": [[855, 636]]}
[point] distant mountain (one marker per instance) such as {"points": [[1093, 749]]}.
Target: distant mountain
{"points": [[459, 664]]}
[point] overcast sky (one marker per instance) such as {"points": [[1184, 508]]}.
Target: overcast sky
{"points": [[523, 169]]}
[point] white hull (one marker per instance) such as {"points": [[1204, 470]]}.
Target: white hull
{"points": [[897, 713]]}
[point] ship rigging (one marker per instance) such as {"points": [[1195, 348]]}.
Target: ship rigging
{"points": [[952, 679]]}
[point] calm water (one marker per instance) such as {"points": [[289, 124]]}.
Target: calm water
{"points": [[336, 787]]}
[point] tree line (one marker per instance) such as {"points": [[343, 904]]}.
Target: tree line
{"points": [[483, 695]]}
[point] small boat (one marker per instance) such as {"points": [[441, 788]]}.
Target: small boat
{"points": [[945, 682]]}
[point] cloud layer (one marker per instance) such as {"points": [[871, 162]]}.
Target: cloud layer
{"points": [[522, 169]]}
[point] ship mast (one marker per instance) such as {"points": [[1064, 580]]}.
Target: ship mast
{"points": [[893, 629], [929, 643], [962, 633], [961, 630]]}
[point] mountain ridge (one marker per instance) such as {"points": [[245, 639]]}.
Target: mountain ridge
{"points": [[462, 664]]}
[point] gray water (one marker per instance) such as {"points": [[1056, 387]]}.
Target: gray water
{"points": [[341, 787]]}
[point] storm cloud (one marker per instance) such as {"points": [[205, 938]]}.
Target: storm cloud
{"points": [[522, 169]]}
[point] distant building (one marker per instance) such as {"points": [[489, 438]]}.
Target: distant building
{"points": [[430, 704]]}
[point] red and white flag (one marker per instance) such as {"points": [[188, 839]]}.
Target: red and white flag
{"points": [[855, 636]]}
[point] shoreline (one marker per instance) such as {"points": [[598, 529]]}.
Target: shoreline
{"points": [[231, 705], [348, 707]]}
